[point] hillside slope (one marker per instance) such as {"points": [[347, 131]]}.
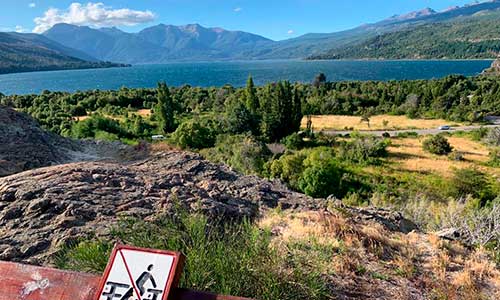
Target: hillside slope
{"points": [[465, 38], [31, 52]]}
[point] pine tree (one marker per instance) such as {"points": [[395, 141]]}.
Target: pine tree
{"points": [[297, 109], [251, 99], [165, 109]]}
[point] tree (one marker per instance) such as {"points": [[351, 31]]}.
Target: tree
{"points": [[319, 80], [251, 99], [195, 134], [365, 118], [240, 119], [165, 109]]}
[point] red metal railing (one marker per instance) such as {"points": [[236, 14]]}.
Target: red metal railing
{"points": [[24, 282]]}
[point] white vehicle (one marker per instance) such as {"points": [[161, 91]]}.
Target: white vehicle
{"points": [[444, 127], [157, 137]]}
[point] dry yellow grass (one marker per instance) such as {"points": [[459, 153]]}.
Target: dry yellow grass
{"points": [[409, 156], [141, 112], [376, 123], [144, 112], [366, 253]]}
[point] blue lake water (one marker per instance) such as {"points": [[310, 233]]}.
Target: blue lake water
{"points": [[234, 73]]}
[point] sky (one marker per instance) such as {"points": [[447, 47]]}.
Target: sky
{"points": [[274, 19]]}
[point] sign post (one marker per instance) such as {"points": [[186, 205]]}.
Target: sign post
{"points": [[140, 274]]}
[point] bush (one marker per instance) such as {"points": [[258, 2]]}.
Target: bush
{"points": [[407, 134], [456, 156], [437, 144], [471, 182], [363, 149], [315, 172], [493, 137], [244, 153], [97, 126], [321, 180], [236, 259], [294, 141], [494, 158], [196, 134]]}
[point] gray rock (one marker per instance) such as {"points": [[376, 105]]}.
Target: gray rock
{"points": [[75, 200], [451, 234]]}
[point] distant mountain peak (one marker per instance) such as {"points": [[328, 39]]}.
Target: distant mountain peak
{"points": [[414, 14]]}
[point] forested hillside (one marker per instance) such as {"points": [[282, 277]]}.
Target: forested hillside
{"points": [[29, 52], [466, 38]]}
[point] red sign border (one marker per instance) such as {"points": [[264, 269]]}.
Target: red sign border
{"points": [[175, 271]]}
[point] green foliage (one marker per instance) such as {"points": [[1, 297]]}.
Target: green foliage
{"points": [[474, 37], [244, 153], [471, 182], [236, 259], [196, 133], [240, 119], [494, 155], [281, 111], [363, 149], [321, 180], [251, 99], [294, 141], [315, 172], [98, 127], [164, 110], [437, 144]]}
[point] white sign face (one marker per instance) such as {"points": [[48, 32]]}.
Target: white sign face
{"points": [[138, 274]]}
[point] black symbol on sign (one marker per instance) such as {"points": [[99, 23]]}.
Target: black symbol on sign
{"points": [[140, 283]]}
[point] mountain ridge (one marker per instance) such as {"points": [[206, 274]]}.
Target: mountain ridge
{"points": [[21, 52]]}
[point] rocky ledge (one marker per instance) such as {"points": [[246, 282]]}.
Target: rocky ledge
{"points": [[42, 209]]}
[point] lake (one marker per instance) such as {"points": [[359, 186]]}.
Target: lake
{"points": [[234, 73]]}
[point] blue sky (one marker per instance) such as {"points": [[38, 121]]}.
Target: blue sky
{"points": [[275, 19]]}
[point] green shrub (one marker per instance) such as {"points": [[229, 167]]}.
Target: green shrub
{"points": [[407, 134], [236, 259], [363, 149], [244, 153], [479, 134], [98, 125], [321, 180], [494, 157], [293, 141], [471, 182], [315, 172], [437, 144], [288, 168], [196, 134], [456, 156]]}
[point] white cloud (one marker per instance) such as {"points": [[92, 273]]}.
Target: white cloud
{"points": [[237, 9], [20, 29], [291, 32], [92, 14], [32, 5]]}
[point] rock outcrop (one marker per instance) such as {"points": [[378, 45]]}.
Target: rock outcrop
{"points": [[42, 209], [24, 145], [494, 69]]}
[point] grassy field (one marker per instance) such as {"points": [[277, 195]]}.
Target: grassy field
{"points": [[379, 122], [409, 156], [145, 113]]}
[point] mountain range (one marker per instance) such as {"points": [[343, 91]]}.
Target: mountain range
{"points": [[32, 52], [470, 31]]}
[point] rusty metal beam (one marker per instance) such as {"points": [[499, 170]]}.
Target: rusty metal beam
{"points": [[24, 282]]}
